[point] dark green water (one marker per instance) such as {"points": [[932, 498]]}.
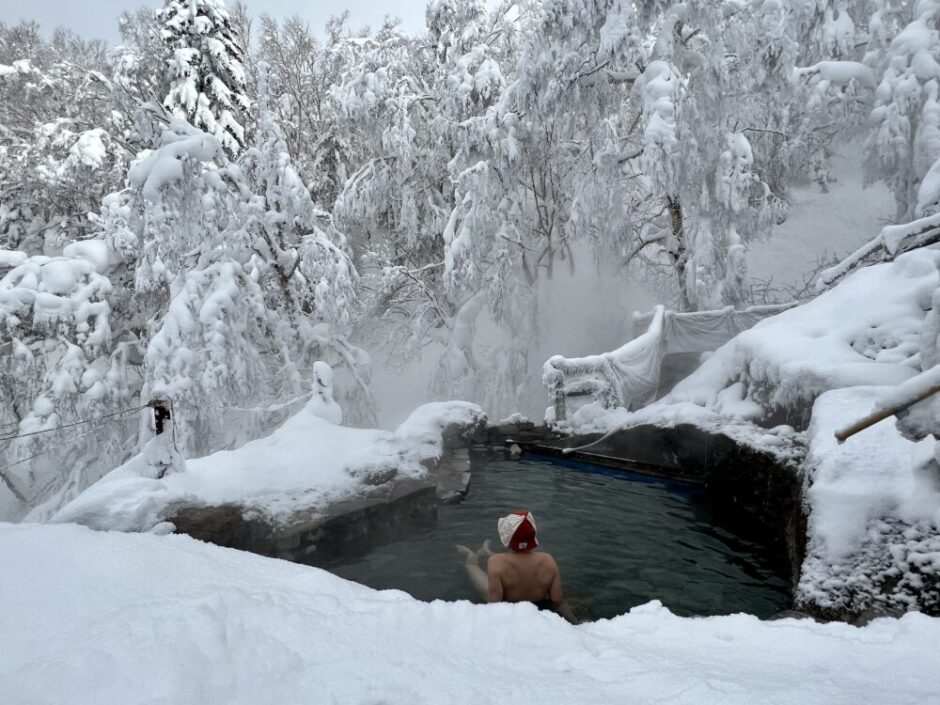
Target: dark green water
{"points": [[619, 542]]}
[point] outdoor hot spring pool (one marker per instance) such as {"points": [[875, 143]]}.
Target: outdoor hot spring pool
{"points": [[620, 541]]}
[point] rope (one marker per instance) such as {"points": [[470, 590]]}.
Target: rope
{"points": [[74, 423]]}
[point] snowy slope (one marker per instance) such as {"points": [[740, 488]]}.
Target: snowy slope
{"points": [[865, 331], [822, 225], [120, 618]]}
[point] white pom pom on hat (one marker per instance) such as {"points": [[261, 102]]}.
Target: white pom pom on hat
{"points": [[517, 531]]}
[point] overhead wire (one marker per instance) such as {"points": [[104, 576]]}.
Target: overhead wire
{"points": [[73, 423], [121, 412], [19, 495], [273, 407]]}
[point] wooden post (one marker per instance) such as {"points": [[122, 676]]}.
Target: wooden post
{"points": [[870, 420], [161, 415]]}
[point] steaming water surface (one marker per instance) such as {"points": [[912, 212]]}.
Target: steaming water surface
{"points": [[620, 543]]}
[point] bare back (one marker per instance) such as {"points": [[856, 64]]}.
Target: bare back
{"points": [[524, 577]]}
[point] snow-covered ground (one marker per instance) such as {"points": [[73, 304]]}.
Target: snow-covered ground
{"points": [[305, 465], [92, 617]]}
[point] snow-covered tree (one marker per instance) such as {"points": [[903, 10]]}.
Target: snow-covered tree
{"points": [[61, 145], [303, 69], [904, 142], [411, 104], [206, 69], [718, 75], [300, 259]]}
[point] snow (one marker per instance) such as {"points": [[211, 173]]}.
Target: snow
{"points": [[304, 466], [12, 258], [873, 474], [839, 72], [786, 361], [798, 354], [874, 509], [164, 165], [89, 149], [910, 390], [115, 618], [96, 252], [821, 224], [54, 290], [793, 356], [661, 87]]}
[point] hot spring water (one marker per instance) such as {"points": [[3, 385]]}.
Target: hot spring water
{"points": [[620, 541]]}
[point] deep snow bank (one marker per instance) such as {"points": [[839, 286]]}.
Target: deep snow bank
{"points": [[305, 465], [120, 618]]}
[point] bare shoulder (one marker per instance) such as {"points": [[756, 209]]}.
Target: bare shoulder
{"points": [[496, 562], [547, 560]]}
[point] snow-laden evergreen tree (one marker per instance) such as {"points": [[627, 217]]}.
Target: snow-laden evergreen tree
{"points": [[206, 69]]}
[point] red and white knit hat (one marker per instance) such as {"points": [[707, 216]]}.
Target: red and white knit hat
{"points": [[517, 531]]}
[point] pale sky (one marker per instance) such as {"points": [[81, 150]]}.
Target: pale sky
{"points": [[97, 19]]}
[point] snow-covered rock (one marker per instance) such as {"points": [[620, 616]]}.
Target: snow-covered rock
{"points": [[874, 513], [119, 618], [305, 465]]}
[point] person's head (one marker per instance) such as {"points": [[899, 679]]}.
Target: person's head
{"points": [[517, 531]]}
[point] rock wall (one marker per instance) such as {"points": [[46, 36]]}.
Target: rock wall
{"points": [[756, 493]]}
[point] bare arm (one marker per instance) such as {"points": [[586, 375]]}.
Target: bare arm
{"points": [[494, 592], [557, 597]]}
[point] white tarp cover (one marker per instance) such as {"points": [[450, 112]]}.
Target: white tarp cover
{"points": [[629, 375]]}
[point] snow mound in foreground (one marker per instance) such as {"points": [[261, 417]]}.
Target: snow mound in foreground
{"points": [[168, 619], [305, 465]]}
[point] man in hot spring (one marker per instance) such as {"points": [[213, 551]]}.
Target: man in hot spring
{"points": [[524, 574]]}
